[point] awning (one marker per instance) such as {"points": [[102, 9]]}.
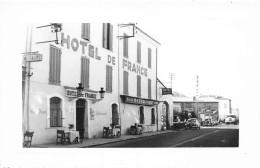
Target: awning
{"points": [[139, 101]]}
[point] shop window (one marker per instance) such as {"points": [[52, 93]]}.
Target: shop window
{"points": [[149, 58], [152, 116], [108, 36], [141, 109], [55, 65], [109, 76], [149, 88], [55, 112], [125, 83], [138, 86], [85, 72], [138, 52], [85, 31], [125, 46], [115, 114]]}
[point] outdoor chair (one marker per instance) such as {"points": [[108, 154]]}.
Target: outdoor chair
{"points": [[27, 136], [61, 137]]}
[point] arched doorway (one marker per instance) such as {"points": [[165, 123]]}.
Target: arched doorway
{"points": [[115, 115], [165, 113], [80, 114]]}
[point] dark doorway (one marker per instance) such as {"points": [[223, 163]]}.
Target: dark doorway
{"points": [[115, 115], [80, 114]]}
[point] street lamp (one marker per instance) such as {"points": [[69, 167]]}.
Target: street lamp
{"points": [[79, 90], [102, 93]]}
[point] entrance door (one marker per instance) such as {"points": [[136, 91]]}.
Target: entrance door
{"points": [[80, 114], [166, 114]]}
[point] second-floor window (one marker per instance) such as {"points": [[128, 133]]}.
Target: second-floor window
{"points": [[125, 46], [149, 58], [85, 72], [85, 31], [55, 65], [149, 88], [138, 52], [109, 78], [125, 83], [108, 36], [138, 86]]}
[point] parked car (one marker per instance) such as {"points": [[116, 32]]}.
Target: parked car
{"points": [[208, 122], [231, 119], [192, 123]]}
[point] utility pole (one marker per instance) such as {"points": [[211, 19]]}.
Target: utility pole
{"points": [[171, 76]]}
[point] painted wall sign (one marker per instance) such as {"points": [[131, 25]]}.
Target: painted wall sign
{"points": [[32, 56], [92, 114], [76, 44], [166, 91], [127, 65], [111, 60], [73, 93], [139, 101]]}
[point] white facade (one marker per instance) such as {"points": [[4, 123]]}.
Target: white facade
{"points": [[97, 113]]}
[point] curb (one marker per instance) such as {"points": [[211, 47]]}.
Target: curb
{"points": [[125, 139]]}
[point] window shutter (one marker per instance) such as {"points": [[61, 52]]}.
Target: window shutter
{"points": [[104, 35], [109, 78], [149, 88], [85, 31], [149, 58], [125, 46], [138, 86], [85, 72], [55, 65], [125, 85], [110, 37], [138, 52]]}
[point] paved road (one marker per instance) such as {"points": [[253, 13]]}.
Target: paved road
{"points": [[222, 136]]}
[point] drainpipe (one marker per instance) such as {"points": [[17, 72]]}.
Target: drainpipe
{"points": [[157, 94], [118, 73]]}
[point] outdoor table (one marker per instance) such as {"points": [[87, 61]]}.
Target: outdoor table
{"points": [[73, 135]]}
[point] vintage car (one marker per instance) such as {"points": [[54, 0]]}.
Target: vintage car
{"points": [[208, 122], [192, 123], [231, 119]]}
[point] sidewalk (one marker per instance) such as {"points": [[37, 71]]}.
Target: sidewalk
{"points": [[99, 141]]}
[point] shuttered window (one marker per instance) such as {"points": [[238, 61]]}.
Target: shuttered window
{"points": [[149, 88], [141, 109], [138, 86], [55, 65], [109, 78], [152, 116], [138, 52], [55, 112], [85, 72], [125, 45], [149, 58], [125, 83], [85, 31], [108, 36]]}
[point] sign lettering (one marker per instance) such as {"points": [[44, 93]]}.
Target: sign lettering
{"points": [[135, 100], [134, 68], [166, 91], [74, 93]]}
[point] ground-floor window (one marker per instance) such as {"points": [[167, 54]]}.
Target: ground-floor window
{"points": [[115, 115], [55, 112], [152, 116]]}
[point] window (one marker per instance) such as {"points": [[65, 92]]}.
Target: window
{"points": [[125, 45], [85, 72], [138, 52], [55, 65], [149, 88], [23, 82], [149, 58], [55, 112], [125, 83], [141, 109], [85, 31], [138, 86], [109, 76], [152, 116], [108, 36], [115, 114]]}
